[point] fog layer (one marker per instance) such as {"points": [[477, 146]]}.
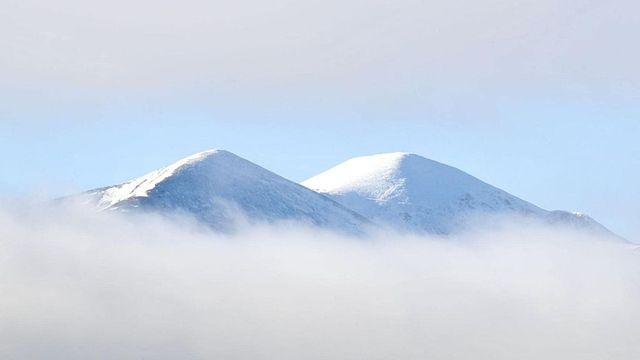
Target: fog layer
{"points": [[76, 285]]}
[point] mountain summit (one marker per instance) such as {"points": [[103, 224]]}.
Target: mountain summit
{"points": [[218, 187], [409, 192], [402, 191]]}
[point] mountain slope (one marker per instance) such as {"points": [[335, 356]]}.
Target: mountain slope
{"points": [[409, 192], [218, 187]]}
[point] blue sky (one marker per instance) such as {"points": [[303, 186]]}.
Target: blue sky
{"points": [[539, 98], [557, 158]]}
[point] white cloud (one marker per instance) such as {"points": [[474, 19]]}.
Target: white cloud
{"points": [[411, 52], [79, 286]]}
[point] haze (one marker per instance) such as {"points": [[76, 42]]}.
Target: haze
{"points": [[79, 285]]}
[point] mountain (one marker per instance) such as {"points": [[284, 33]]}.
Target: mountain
{"points": [[218, 188], [409, 192], [402, 191]]}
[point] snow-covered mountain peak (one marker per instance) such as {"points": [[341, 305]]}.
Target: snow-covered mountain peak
{"points": [[375, 175], [140, 187], [220, 189], [400, 190], [409, 192], [399, 177]]}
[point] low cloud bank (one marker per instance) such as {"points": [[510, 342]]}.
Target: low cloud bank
{"points": [[77, 285]]}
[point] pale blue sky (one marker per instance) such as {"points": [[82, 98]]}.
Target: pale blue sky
{"points": [[560, 158], [540, 98]]}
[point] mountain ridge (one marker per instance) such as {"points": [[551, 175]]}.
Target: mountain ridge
{"points": [[402, 191], [407, 191]]}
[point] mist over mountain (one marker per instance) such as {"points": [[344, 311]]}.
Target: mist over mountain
{"points": [[84, 285], [278, 273]]}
